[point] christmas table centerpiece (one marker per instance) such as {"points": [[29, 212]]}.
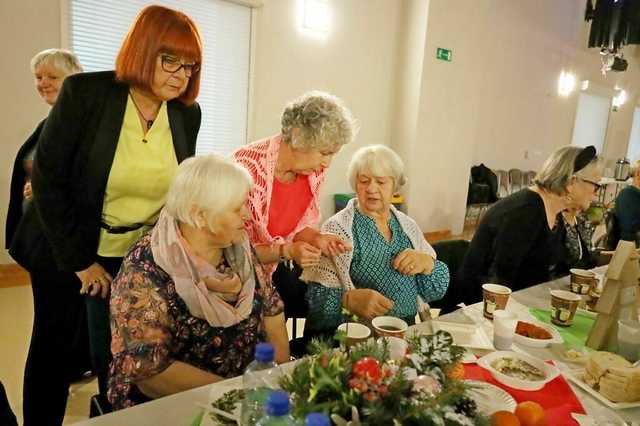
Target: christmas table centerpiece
{"points": [[360, 385]]}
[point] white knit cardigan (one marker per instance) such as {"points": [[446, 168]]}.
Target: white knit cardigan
{"points": [[334, 272]]}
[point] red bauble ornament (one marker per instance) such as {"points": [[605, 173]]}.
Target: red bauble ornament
{"points": [[367, 368]]}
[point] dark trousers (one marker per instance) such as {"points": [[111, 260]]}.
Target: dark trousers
{"points": [[100, 328], [59, 349], [292, 291]]}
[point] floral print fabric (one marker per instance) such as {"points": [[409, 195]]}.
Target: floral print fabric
{"points": [[151, 327]]}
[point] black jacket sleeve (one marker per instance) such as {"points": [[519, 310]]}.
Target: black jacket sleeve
{"points": [[18, 175], [52, 177]]}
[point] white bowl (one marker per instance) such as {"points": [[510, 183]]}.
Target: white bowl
{"points": [[539, 343], [550, 371]]}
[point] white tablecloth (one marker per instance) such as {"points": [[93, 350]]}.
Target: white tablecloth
{"points": [[182, 408]]}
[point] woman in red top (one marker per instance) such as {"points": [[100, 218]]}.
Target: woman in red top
{"points": [[288, 170]]}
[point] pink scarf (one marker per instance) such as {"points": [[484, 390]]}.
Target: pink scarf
{"points": [[172, 253]]}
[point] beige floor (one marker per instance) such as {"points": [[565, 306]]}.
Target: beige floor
{"points": [[16, 319]]}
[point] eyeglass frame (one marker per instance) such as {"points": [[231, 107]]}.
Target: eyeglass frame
{"points": [[189, 69], [596, 186]]}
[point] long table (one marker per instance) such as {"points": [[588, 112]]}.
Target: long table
{"points": [[180, 409]]}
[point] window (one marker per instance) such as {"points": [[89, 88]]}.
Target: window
{"points": [[633, 152], [97, 28], [592, 117]]}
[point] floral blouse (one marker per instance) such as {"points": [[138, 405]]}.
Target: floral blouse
{"points": [[151, 327]]}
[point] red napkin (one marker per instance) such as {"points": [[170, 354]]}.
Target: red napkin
{"points": [[556, 397]]}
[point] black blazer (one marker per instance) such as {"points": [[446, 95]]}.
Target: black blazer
{"points": [[18, 179], [73, 161]]}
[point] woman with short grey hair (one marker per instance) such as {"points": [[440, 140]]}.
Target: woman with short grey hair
{"points": [[517, 243], [288, 170], [391, 263], [207, 301], [60, 323]]}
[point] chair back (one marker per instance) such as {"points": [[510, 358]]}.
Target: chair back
{"points": [[613, 231], [516, 177], [504, 188], [452, 253]]}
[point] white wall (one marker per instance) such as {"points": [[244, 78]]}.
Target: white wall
{"points": [[497, 101], [356, 62], [26, 27]]}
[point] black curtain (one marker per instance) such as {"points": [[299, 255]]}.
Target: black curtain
{"points": [[613, 23]]}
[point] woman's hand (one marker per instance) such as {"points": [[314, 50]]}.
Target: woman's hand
{"points": [[331, 245], [413, 262], [304, 254], [27, 193], [366, 303], [228, 287], [276, 331], [95, 280]]}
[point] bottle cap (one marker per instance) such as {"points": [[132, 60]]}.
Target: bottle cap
{"points": [[278, 403], [317, 419], [264, 352]]}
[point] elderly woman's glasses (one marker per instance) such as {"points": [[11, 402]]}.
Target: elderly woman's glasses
{"points": [[173, 64], [596, 185]]}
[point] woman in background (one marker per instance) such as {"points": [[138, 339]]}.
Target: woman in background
{"points": [[517, 243], [59, 312], [627, 208]]}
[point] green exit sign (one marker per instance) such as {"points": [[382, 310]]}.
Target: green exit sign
{"points": [[444, 54]]}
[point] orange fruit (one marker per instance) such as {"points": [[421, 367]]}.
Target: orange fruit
{"points": [[456, 372], [530, 414], [504, 418]]}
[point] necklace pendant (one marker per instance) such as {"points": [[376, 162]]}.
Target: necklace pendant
{"points": [[149, 124]]}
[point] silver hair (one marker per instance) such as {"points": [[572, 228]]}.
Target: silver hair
{"points": [[377, 160], [209, 182], [61, 59], [557, 171], [324, 123]]}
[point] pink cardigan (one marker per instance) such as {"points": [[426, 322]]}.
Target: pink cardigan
{"points": [[260, 159]]}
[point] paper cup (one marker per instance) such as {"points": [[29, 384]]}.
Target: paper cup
{"points": [[356, 332], [629, 339], [563, 307], [389, 326], [494, 297], [397, 347], [582, 281], [504, 329]]}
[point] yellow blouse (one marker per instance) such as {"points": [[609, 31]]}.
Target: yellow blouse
{"points": [[138, 181]]}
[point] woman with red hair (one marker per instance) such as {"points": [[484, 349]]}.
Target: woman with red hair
{"points": [[106, 156]]}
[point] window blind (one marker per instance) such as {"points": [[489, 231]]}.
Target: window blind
{"points": [[98, 27]]}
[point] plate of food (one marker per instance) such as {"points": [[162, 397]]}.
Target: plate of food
{"points": [[465, 335], [490, 398], [519, 371], [536, 335], [610, 378]]}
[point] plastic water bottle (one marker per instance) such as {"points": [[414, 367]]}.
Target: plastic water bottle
{"points": [[258, 381], [277, 410], [317, 419]]}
